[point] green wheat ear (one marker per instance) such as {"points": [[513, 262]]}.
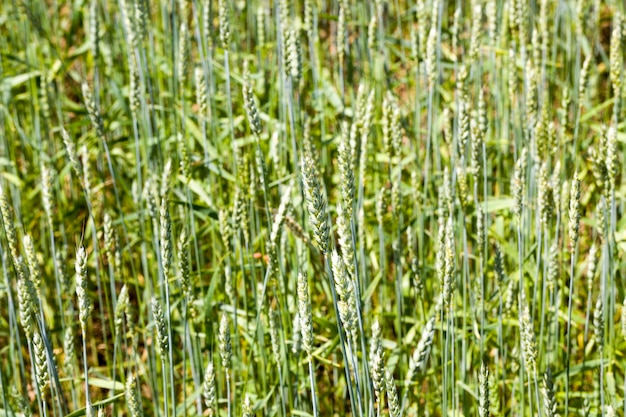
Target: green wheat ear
{"points": [[260, 28], [93, 111], [376, 360], [183, 53], [392, 395], [574, 211], [483, 391], [161, 328], [598, 323], [224, 344], [41, 364], [250, 105], [421, 352], [528, 339], [293, 54], [183, 264], [209, 388], [246, 407], [120, 309], [133, 400], [273, 317], [84, 303], [549, 398], [305, 319], [315, 201], [27, 296], [224, 23]]}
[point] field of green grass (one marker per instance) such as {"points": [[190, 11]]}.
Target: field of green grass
{"points": [[312, 208]]}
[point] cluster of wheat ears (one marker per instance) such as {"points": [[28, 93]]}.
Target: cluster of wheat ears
{"points": [[310, 208]]}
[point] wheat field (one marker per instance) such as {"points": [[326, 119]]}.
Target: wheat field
{"points": [[312, 208]]}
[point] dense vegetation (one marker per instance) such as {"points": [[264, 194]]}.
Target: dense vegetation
{"points": [[282, 208]]}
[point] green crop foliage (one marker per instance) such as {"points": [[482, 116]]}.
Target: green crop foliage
{"points": [[312, 208]]}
